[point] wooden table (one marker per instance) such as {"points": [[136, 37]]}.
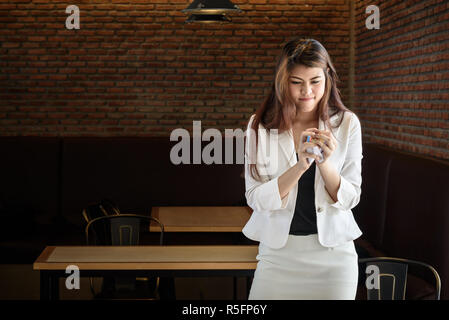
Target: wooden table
{"points": [[201, 219], [143, 261]]}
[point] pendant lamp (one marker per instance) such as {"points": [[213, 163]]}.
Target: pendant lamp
{"points": [[208, 11]]}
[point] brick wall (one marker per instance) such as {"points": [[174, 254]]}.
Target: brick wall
{"points": [[135, 68], [402, 76]]}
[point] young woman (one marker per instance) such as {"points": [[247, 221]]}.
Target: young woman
{"points": [[302, 200]]}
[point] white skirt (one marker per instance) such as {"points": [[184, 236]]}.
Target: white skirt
{"points": [[305, 270]]}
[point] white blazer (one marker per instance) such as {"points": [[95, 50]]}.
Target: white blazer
{"points": [[271, 217]]}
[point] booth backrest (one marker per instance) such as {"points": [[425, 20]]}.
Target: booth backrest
{"points": [[371, 210], [404, 207], [30, 180], [137, 174]]}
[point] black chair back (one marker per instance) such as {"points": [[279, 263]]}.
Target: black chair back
{"points": [[120, 230], [391, 281], [103, 208]]}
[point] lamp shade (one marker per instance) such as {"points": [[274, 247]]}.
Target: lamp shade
{"points": [[208, 18], [211, 7]]}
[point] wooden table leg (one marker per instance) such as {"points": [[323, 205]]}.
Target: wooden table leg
{"points": [[235, 287], [248, 286], [44, 285], [54, 287], [49, 285]]}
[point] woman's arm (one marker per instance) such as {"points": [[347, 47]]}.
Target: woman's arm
{"points": [[332, 179], [261, 195], [272, 195], [345, 194], [288, 179]]}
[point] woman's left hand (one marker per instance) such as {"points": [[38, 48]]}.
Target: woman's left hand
{"points": [[326, 141]]}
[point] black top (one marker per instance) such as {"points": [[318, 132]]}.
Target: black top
{"points": [[304, 219]]}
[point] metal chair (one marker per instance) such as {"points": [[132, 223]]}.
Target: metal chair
{"points": [[122, 230], [105, 207], [391, 281]]}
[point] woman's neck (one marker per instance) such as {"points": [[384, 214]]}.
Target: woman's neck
{"points": [[306, 118]]}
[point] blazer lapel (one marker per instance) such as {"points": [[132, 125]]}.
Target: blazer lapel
{"points": [[332, 120], [287, 145]]}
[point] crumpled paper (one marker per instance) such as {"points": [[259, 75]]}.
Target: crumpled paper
{"points": [[316, 151]]}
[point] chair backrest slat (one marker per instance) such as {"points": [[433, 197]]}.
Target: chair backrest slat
{"points": [[389, 282], [121, 229]]}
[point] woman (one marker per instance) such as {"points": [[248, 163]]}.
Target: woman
{"points": [[302, 201]]}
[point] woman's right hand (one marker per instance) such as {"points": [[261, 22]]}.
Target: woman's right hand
{"points": [[303, 164]]}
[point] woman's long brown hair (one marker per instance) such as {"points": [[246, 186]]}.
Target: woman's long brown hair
{"points": [[278, 110]]}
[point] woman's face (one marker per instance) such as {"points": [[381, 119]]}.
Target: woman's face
{"points": [[306, 87]]}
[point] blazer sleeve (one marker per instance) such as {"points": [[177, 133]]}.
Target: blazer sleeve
{"points": [[260, 195], [351, 173]]}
